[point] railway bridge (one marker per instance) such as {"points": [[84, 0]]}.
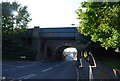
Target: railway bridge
{"points": [[51, 42]]}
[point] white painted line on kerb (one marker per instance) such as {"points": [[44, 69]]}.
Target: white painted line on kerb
{"points": [[47, 69], [27, 76], [114, 72], [90, 73], [95, 65], [81, 65]]}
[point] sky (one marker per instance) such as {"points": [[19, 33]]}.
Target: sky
{"points": [[52, 13], [70, 49]]}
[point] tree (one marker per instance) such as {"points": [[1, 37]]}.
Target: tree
{"points": [[101, 21], [11, 22], [14, 23]]}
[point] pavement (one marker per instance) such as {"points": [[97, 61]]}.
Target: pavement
{"points": [[97, 72], [104, 70]]}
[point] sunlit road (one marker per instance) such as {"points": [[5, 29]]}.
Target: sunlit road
{"points": [[36, 70]]}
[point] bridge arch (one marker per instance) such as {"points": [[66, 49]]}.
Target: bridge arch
{"points": [[59, 51]]}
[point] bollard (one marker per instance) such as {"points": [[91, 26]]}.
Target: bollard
{"points": [[117, 73]]}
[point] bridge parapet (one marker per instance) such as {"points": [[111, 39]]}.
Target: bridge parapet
{"points": [[59, 32], [54, 32]]}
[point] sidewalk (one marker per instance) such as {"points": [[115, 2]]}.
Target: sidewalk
{"points": [[98, 72], [84, 70], [106, 70]]}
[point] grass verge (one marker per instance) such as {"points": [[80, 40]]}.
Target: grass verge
{"points": [[113, 64]]}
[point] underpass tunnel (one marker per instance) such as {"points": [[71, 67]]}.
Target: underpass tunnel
{"points": [[62, 54]]}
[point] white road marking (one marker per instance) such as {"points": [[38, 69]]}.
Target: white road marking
{"points": [[95, 65], [27, 76], [90, 73], [3, 77], [19, 66], [22, 66], [114, 72], [47, 69], [57, 65], [30, 76], [81, 65]]}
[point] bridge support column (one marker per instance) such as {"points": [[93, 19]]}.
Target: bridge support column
{"points": [[45, 52], [53, 55], [36, 42]]}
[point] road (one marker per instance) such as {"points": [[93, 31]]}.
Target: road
{"points": [[37, 70], [54, 70]]}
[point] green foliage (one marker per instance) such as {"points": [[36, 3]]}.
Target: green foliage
{"points": [[113, 64], [17, 45], [101, 21], [12, 23], [13, 31], [83, 39]]}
